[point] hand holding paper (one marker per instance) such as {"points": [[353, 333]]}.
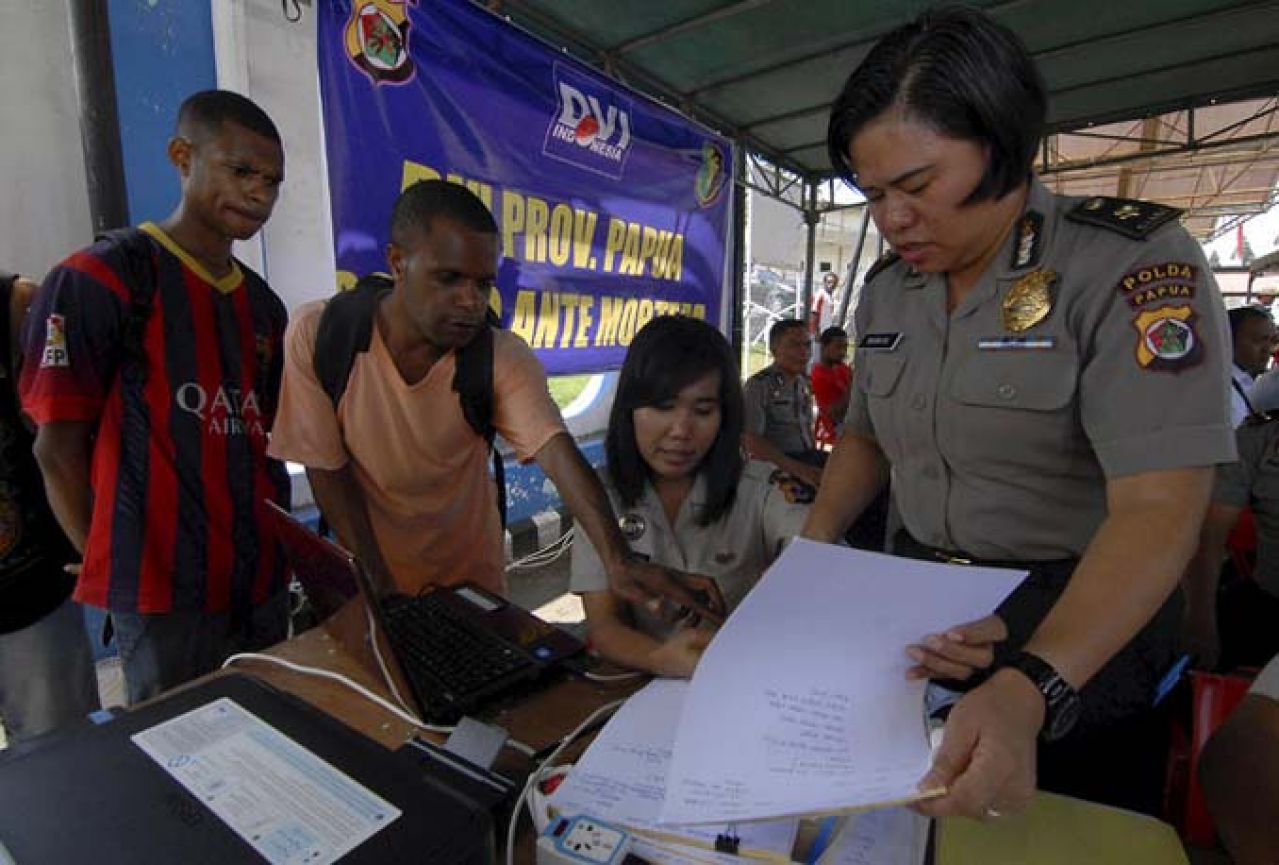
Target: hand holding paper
{"points": [[959, 652], [986, 760], [801, 703]]}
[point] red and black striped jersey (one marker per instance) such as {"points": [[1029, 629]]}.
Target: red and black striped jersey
{"points": [[183, 396]]}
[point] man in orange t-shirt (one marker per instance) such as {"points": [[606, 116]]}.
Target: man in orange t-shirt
{"points": [[396, 469]]}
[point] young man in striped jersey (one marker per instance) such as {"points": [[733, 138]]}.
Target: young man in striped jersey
{"points": [[152, 366]]}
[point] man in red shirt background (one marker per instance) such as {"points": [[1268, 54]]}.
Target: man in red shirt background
{"points": [[831, 378]]}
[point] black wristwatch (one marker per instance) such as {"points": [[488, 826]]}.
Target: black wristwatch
{"points": [[1061, 700]]}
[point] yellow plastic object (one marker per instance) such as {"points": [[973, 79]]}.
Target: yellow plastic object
{"points": [[1058, 830]]}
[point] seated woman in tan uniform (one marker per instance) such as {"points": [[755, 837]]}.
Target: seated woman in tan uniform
{"points": [[685, 496]]}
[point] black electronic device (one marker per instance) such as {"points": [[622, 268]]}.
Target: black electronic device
{"points": [[92, 795], [457, 647]]}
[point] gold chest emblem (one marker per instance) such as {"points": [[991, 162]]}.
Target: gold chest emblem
{"points": [[1029, 301]]}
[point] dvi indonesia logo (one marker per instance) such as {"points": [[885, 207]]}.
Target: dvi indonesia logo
{"points": [[592, 125]]}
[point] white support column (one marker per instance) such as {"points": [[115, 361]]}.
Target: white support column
{"points": [[273, 62]]}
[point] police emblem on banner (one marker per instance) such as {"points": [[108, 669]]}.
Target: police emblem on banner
{"points": [[710, 177], [1167, 340], [377, 40], [632, 525]]}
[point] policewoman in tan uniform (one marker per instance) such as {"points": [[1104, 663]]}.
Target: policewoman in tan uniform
{"points": [[684, 495], [1045, 379]]}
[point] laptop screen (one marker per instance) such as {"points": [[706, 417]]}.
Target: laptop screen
{"points": [[327, 572]]}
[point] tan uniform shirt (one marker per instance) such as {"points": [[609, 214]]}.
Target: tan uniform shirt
{"points": [[422, 468], [780, 410], [1002, 429], [735, 550], [1253, 481]]}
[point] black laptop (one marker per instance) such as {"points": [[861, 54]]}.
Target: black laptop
{"points": [[458, 648], [90, 795]]}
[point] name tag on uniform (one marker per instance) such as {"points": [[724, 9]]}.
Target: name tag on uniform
{"points": [[880, 341], [1016, 343]]}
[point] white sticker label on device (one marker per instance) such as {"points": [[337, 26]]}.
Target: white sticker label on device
{"points": [[291, 806]]}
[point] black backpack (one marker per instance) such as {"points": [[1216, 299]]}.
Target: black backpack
{"points": [[346, 328], [137, 254]]}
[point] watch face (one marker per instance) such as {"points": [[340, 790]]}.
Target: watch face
{"points": [[1063, 712], [1061, 702], [1063, 720]]}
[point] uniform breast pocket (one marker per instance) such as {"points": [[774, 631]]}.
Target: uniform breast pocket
{"points": [[1011, 404], [881, 374], [1008, 380], [880, 377]]}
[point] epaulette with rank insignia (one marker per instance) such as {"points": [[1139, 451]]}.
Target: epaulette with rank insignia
{"points": [[1126, 216], [887, 260]]}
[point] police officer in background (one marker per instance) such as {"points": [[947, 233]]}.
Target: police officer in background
{"points": [[1047, 379], [779, 406]]}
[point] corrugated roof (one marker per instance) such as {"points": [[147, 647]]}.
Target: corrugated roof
{"points": [[765, 72]]}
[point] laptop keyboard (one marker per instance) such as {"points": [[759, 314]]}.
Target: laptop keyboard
{"points": [[449, 659]]}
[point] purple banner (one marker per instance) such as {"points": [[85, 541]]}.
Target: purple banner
{"points": [[611, 208]]}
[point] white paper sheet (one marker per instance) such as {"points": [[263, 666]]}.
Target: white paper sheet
{"points": [[622, 776], [801, 704], [886, 836], [291, 806], [658, 853]]}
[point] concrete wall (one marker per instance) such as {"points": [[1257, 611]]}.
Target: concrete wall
{"points": [[162, 52], [46, 207], [273, 62]]}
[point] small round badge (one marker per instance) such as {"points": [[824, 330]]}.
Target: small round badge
{"points": [[632, 526]]}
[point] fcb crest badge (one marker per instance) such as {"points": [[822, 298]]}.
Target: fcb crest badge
{"points": [[377, 40]]}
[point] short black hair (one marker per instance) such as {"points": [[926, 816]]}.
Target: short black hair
{"points": [[667, 355], [423, 202], [204, 112], [831, 334], [779, 328], [1240, 314], [961, 73]]}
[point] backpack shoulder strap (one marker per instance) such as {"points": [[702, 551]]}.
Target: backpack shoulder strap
{"points": [[345, 331], [473, 383], [134, 256], [473, 379]]}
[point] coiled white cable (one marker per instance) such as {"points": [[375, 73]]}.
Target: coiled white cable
{"points": [[607, 708]]}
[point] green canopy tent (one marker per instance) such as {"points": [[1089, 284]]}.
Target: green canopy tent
{"points": [[1170, 100]]}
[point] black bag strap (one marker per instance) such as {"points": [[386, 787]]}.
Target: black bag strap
{"points": [[136, 253], [473, 383], [346, 330], [473, 379]]}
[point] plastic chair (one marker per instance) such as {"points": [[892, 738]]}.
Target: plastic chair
{"points": [[1213, 698]]}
